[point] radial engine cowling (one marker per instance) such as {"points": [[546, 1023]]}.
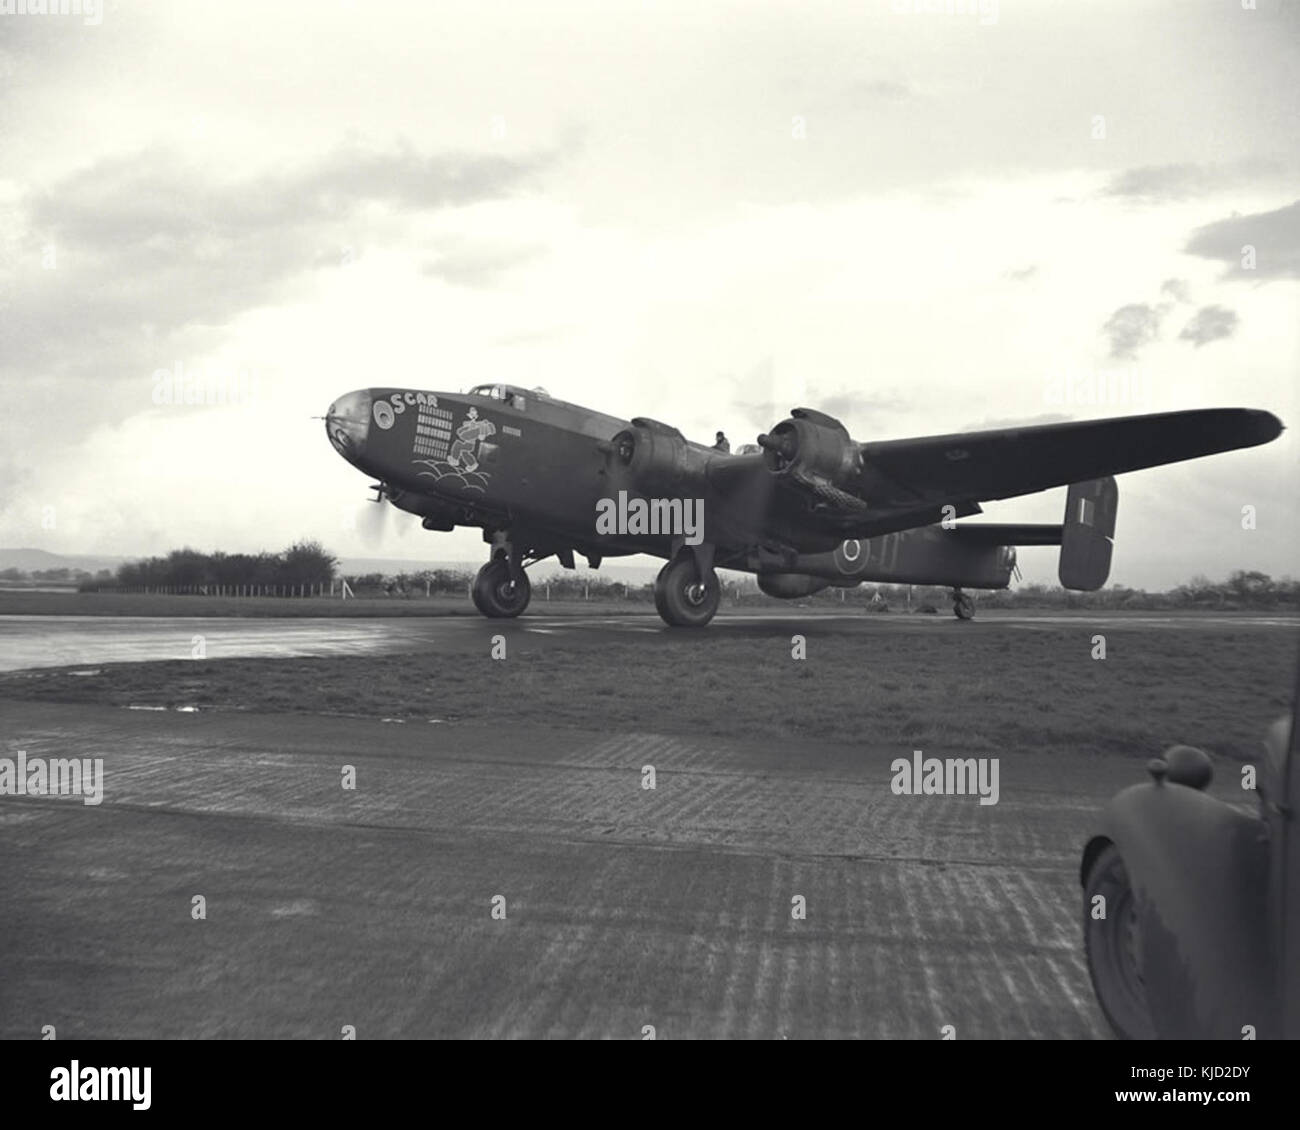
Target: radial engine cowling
{"points": [[789, 586], [812, 444], [651, 458]]}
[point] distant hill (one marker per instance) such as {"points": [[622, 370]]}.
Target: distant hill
{"points": [[29, 560]]}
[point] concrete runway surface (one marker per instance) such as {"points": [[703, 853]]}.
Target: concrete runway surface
{"points": [[53, 641], [624, 907]]}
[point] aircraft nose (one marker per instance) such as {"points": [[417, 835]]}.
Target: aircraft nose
{"points": [[347, 424]]}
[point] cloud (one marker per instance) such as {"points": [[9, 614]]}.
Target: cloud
{"points": [[151, 240], [1210, 323], [134, 261], [156, 196], [1176, 289], [150, 244], [1024, 274], [1160, 184], [464, 263], [14, 478], [1273, 236], [862, 405], [854, 409], [1132, 327]]}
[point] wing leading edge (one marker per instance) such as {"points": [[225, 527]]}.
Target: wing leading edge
{"points": [[1007, 462]]}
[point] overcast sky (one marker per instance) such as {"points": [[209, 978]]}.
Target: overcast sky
{"points": [[706, 213]]}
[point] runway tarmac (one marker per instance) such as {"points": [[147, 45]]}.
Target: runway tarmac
{"points": [[50, 641], [625, 907]]}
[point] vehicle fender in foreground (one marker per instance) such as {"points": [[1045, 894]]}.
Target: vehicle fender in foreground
{"points": [[1199, 873]]}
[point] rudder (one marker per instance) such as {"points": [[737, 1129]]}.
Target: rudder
{"points": [[1088, 534]]}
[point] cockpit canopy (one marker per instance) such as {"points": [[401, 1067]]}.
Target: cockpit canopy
{"points": [[512, 395]]}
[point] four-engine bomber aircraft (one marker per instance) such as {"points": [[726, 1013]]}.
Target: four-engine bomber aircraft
{"points": [[806, 508]]}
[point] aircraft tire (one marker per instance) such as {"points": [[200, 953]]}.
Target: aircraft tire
{"points": [[496, 595], [1113, 945], [681, 599], [963, 608]]}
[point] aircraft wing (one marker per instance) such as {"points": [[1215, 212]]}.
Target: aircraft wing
{"points": [[1006, 462]]}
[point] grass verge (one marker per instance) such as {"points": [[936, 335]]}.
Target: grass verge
{"points": [[998, 689]]}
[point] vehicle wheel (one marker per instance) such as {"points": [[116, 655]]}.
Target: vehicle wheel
{"points": [[963, 608], [496, 594], [1114, 948], [682, 599]]}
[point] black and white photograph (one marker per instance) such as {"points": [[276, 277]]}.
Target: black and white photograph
{"points": [[649, 520]]}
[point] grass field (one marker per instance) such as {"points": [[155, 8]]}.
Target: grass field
{"points": [[994, 688]]}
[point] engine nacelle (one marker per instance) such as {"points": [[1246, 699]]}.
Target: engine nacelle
{"points": [[789, 586], [652, 458], [814, 444]]}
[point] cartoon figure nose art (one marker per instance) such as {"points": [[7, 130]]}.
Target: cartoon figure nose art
{"points": [[463, 452]]}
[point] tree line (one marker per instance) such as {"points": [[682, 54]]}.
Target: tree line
{"points": [[305, 564], [1243, 589], [307, 567], [62, 575]]}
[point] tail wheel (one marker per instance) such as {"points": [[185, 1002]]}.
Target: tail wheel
{"points": [[497, 594], [682, 598], [963, 607], [1114, 947]]}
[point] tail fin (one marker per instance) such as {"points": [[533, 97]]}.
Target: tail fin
{"points": [[1088, 534]]}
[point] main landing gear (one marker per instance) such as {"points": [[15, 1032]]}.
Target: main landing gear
{"points": [[501, 589], [963, 607], [498, 594], [686, 594]]}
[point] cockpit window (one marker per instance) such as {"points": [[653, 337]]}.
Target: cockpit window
{"points": [[507, 394]]}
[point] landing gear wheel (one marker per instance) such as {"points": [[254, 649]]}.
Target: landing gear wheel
{"points": [[1113, 947], [963, 607], [681, 598], [496, 594]]}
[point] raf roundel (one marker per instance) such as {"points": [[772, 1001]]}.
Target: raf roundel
{"points": [[848, 556]]}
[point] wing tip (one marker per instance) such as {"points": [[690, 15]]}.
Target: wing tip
{"points": [[1261, 426]]}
